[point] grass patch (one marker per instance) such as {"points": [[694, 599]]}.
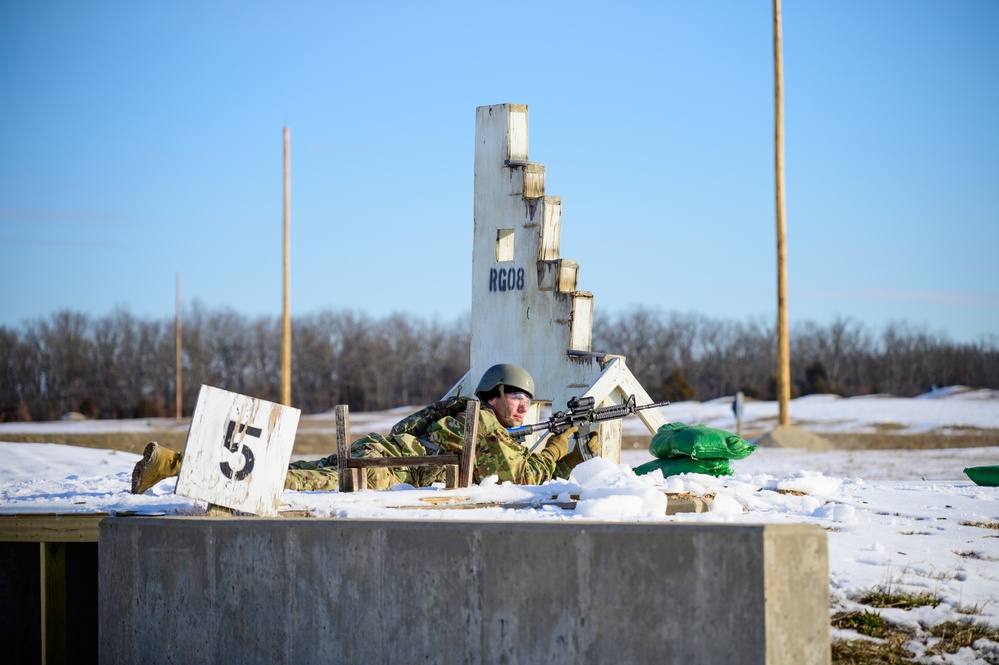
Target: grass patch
{"points": [[983, 525], [866, 623], [969, 609], [887, 597], [887, 649], [955, 635], [888, 646]]}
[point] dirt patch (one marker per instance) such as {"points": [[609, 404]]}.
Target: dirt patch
{"points": [[134, 442], [970, 438]]}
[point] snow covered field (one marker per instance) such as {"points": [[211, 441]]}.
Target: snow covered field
{"points": [[910, 520]]}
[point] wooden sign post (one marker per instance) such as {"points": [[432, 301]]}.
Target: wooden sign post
{"points": [[237, 452]]}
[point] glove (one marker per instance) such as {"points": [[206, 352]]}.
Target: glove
{"points": [[574, 458], [558, 445]]}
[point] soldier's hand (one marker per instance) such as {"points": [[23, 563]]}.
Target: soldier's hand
{"points": [[558, 445], [593, 444], [575, 458]]}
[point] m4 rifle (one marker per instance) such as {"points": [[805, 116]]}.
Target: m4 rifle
{"points": [[582, 414]]}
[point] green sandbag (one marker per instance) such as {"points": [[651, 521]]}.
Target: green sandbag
{"points": [[699, 442], [678, 465], [987, 476]]}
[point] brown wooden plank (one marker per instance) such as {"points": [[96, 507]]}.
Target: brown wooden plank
{"points": [[53, 592], [50, 528], [381, 462], [341, 413], [466, 460]]}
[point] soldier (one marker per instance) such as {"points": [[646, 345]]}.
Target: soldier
{"points": [[505, 392]]}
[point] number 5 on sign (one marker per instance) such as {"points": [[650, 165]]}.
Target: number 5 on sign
{"points": [[237, 452]]}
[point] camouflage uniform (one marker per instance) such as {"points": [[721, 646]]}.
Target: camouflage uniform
{"points": [[438, 428]]}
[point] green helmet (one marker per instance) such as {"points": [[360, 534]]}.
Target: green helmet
{"points": [[506, 375]]}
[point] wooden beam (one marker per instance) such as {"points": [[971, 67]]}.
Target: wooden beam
{"points": [[50, 528], [53, 606], [466, 461]]}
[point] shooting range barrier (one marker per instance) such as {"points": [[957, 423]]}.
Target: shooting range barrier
{"points": [[245, 590]]}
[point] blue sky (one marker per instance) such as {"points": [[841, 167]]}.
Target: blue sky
{"points": [[143, 139]]}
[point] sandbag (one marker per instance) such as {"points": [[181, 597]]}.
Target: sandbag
{"points": [[677, 465], [987, 476], [699, 442]]}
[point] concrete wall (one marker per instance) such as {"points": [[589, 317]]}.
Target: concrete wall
{"points": [[251, 590]]}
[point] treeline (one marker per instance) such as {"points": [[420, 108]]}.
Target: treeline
{"points": [[689, 356], [120, 366]]}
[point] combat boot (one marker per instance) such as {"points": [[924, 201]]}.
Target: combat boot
{"points": [[156, 464]]}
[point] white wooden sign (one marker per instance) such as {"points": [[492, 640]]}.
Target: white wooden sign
{"points": [[237, 452]]}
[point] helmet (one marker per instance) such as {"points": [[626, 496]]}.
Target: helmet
{"points": [[506, 375]]}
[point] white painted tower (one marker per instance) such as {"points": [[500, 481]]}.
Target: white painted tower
{"points": [[525, 306]]}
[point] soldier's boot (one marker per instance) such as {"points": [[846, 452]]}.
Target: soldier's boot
{"points": [[156, 464]]}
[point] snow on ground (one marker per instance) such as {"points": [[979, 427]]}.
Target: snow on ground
{"points": [[910, 520]]}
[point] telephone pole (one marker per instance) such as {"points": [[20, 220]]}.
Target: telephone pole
{"points": [[179, 364], [783, 345], [286, 319]]}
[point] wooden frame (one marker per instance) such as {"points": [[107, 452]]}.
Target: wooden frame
{"points": [[458, 468]]}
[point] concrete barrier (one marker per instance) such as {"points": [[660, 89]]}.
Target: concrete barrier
{"points": [[251, 590]]}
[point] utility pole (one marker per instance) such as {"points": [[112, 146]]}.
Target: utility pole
{"points": [[783, 345], [179, 400], [286, 319]]}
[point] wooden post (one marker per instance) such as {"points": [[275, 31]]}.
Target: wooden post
{"points": [[350, 479], [53, 596], [466, 460], [286, 319], [178, 398], [737, 410], [783, 345]]}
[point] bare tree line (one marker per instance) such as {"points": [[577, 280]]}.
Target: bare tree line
{"points": [[119, 366], [690, 356]]}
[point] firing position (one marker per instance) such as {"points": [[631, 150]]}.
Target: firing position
{"points": [[505, 392]]}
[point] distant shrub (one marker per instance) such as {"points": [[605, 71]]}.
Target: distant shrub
{"points": [[88, 407], [676, 388], [817, 380]]}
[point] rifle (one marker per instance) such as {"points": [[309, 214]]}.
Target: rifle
{"points": [[582, 414]]}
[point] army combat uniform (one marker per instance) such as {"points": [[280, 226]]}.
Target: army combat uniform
{"points": [[436, 429]]}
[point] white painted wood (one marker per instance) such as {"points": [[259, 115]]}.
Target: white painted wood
{"points": [[237, 451], [581, 327], [517, 132], [515, 317], [526, 308], [551, 228], [614, 386]]}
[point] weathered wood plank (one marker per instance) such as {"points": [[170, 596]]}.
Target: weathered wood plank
{"points": [[383, 462], [50, 528], [466, 461]]}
